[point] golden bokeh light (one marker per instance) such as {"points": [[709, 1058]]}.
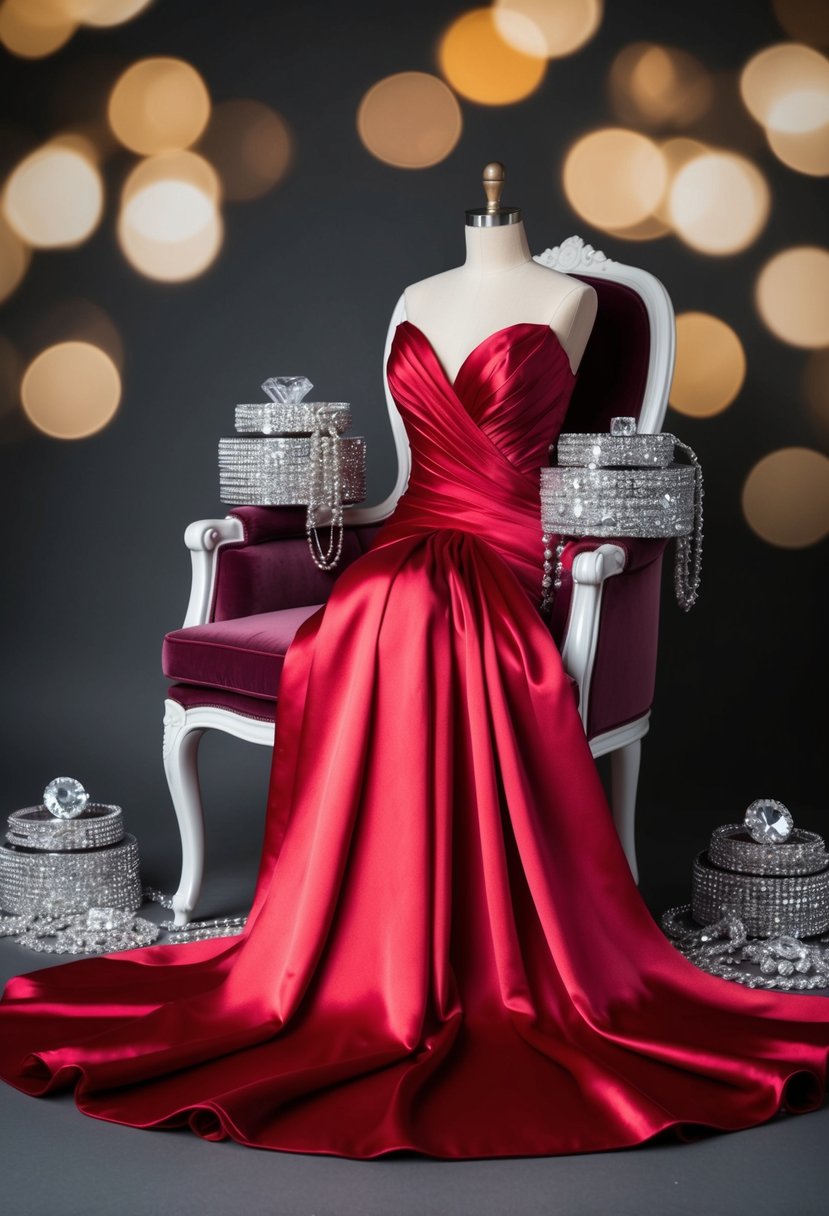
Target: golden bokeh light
{"points": [[785, 497], [34, 28], [14, 260], [710, 365], [411, 120], [250, 145], [792, 296], [159, 105], [187, 167], [659, 85], [614, 178], [104, 12], [169, 226], [553, 28], [171, 231], [805, 151], [71, 390], [782, 87], [54, 197], [718, 203], [482, 67], [806, 20]]}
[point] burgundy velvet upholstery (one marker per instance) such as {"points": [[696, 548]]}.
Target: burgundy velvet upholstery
{"points": [[189, 697], [614, 368], [272, 568], [244, 655]]}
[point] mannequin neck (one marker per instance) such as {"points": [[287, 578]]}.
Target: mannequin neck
{"points": [[496, 250]]}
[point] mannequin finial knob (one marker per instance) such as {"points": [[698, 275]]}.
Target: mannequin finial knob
{"points": [[493, 182]]}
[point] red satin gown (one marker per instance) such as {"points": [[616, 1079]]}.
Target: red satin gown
{"points": [[446, 951]]}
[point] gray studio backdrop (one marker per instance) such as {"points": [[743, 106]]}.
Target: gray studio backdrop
{"points": [[95, 570]]}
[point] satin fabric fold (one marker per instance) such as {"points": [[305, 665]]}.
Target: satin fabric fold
{"points": [[446, 951]]}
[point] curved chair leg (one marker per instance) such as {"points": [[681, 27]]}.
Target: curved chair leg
{"points": [[624, 779], [181, 755]]}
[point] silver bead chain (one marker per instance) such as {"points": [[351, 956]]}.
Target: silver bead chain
{"points": [[551, 573], [325, 492], [108, 930], [688, 557], [786, 963]]}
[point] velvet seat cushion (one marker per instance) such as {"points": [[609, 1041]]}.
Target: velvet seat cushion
{"points": [[243, 655]]}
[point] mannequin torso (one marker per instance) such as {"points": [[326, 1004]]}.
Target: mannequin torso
{"points": [[498, 285]]}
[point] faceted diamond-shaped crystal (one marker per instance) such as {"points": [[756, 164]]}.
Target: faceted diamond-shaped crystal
{"points": [[768, 821], [623, 426], [65, 797], [287, 389]]}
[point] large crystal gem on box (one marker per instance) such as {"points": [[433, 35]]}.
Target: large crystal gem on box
{"points": [[65, 797], [768, 821]]}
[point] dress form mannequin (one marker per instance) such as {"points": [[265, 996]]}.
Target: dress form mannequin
{"points": [[498, 285]]}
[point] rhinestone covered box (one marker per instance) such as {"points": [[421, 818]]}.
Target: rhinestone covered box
{"points": [[290, 452], [774, 888], [51, 866]]}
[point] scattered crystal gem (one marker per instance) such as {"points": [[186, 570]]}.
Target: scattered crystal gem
{"points": [[287, 389], [623, 426], [65, 798], [768, 821]]}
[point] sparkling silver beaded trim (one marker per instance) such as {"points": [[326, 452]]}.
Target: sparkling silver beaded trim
{"points": [[281, 418], [95, 931], [34, 827], [278, 472], [603, 450], [767, 904], [618, 502], [785, 962], [54, 883], [732, 848]]}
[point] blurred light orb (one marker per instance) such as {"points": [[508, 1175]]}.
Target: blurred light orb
{"points": [[804, 151], [792, 296], [34, 28], [411, 120], [480, 65], [805, 20], [168, 211], [614, 178], [710, 365], [553, 28], [785, 498], [159, 105], [250, 145], [188, 167], [718, 203], [14, 260], [71, 390], [659, 85], [54, 197], [104, 12], [774, 75]]}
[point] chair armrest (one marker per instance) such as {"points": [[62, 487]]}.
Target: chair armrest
{"points": [[266, 564], [587, 565], [204, 539]]}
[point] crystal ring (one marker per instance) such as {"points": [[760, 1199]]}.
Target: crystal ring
{"points": [[768, 821], [65, 798]]}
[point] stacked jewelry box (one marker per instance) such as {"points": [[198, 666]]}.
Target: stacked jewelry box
{"points": [[68, 855], [775, 876]]}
